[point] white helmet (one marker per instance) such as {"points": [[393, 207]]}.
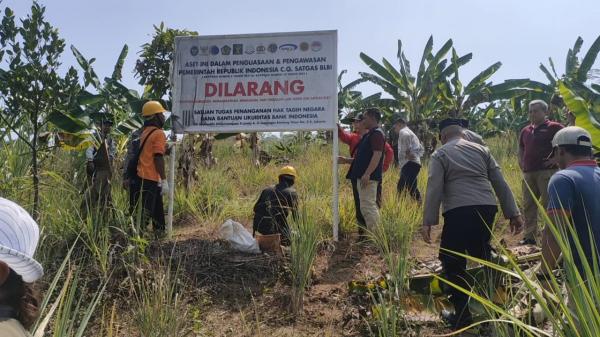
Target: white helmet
{"points": [[19, 236]]}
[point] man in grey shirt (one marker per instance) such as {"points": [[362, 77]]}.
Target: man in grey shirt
{"points": [[463, 177]]}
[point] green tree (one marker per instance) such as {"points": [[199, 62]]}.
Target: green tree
{"points": [[31, 88], [153, 67]]}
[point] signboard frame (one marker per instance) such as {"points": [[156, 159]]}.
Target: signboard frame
{"points": [[332, 126]]}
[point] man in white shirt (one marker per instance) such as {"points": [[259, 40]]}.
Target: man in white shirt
{"points": [[410, 151]]}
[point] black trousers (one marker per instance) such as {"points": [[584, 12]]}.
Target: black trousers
{"points": [[408, 179], [467, 231], [152, 204], [134, 194]]}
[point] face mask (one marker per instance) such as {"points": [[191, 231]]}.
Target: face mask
{"points": [[160, 121]]}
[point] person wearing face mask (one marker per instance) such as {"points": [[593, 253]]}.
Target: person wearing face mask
{"points": [[19, 303], [151, 166]]}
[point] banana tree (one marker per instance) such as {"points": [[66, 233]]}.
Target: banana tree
{"points": [[577, 73], [108, 99], [459, 98], [416, 95], [419, 97]]}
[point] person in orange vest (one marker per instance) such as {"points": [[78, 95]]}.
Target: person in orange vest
{"points": [[151, 166]]}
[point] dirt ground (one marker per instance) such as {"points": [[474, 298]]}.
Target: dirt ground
{"points": [[249, 295]]}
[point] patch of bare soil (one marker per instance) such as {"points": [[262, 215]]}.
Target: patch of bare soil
{"points": [[249, 295]]}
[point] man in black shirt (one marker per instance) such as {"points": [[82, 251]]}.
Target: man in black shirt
{"points": [[274, 205], [366, 168]]}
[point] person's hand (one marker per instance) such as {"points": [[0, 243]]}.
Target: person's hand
{"points": [[516, 225], [343, 160], [549, 163], [410, 155], [164, 188], [364, 180], [426, 233]]}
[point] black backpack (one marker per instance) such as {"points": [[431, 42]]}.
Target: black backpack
{"points": [[132, 164]]}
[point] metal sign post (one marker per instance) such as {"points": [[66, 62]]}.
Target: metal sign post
{"points": [[171, 179], [336, 183]]}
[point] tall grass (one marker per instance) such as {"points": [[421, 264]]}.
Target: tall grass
{"points": [[568, 303], [393, 237], [159, 309], [73, 307], [227, 190], [304, 239]]}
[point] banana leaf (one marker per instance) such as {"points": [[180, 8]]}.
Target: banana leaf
{"points": [[89, 73], [580, 108], [69, 123], [571, 62], [482, 77], [75, 142], [379, 69], [588, 61], [425, 57], [118, 70], [548, 75]]}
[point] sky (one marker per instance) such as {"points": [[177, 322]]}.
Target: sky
{"points": [[519, 33]]}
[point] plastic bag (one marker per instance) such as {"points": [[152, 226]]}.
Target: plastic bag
{"points": [[239, 238]]}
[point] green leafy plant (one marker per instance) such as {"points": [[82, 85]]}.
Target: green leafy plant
{"points": [[304, 239], [587, 112], [31, 87], [159, 309]]}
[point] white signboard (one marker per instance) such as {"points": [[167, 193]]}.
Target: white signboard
{"points": [[258, 82]]}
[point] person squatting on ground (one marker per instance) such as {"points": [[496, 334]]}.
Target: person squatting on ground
{"points": [[410, 151], [274, 205], [352, 139], [535, 144], [463, 177], [19, 303], [574, 200], [151, 166], [99, 162], [366, 168]]}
